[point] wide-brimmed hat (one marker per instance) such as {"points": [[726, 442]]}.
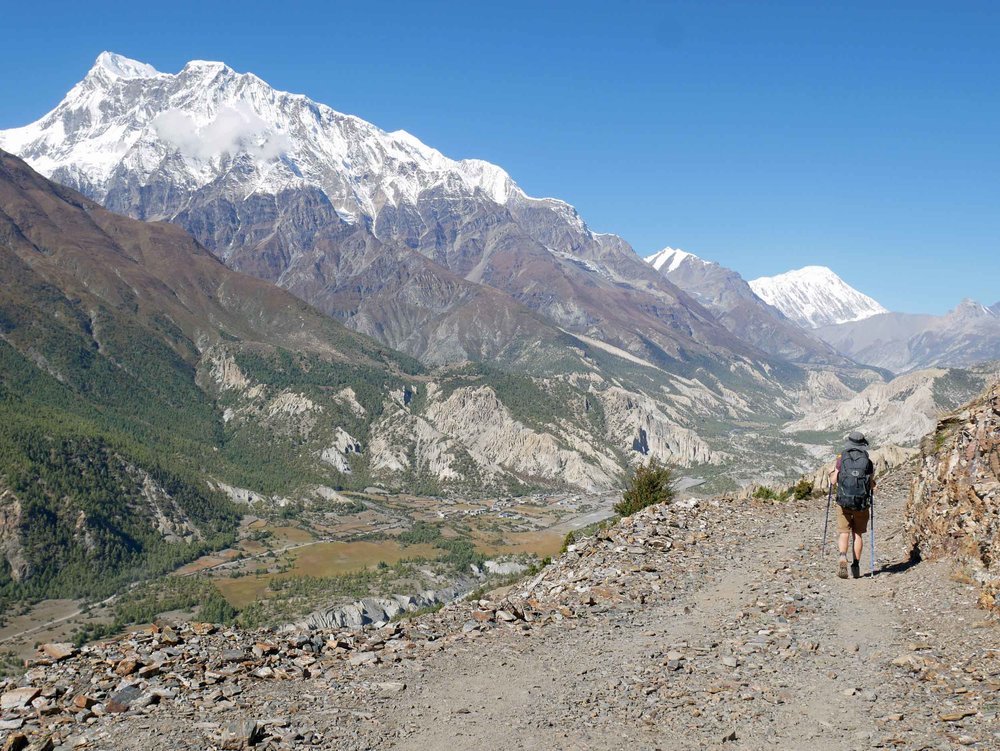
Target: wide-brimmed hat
{"points": [[857, 440]]}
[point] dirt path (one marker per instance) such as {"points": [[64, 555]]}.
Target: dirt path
{"points": [[728, 632], [823, 679]]}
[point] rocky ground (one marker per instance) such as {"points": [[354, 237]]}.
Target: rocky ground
{"points": [[714, 625]]}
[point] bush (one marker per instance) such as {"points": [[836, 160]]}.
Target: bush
{"points": [[802, 489], [652, 483], [764, 493]]}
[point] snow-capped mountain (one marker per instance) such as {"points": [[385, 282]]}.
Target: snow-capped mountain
{"points": [[208, 121], [447, 260], [815, 296], [727, 294]]}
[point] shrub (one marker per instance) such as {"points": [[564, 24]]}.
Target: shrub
{"points": [[652, 483], [802, 489], [764, 493]]}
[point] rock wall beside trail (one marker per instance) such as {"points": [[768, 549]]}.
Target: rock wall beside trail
{"points": [[954, 506]]}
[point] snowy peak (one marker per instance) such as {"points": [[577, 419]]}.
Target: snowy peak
{"points": [[815, 296], [669, 260], [208, 124], [111, 66]]}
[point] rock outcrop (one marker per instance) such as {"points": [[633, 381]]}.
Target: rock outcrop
{"points": [[379, 611], [11, 543], [954, 506]]}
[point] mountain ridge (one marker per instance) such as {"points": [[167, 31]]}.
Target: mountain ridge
{"points": [[741, 310], [294, 192]]}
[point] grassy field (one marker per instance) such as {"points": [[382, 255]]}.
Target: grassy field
{"points": [[542, 543], [320, 560]]}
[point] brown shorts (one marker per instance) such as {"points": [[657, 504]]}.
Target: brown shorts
{"points": [[848, 519]]}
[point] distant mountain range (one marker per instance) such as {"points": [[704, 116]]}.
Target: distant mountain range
{"points": [[740, 309], [825, 308], [450, 262], [901, 342], [445, 260]]}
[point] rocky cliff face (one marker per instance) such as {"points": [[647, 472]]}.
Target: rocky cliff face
{"points": [[901, 411], [11, 542], [954, 506], [467, 432]]}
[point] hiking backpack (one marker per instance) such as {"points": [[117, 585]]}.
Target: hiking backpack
{"points": [[854, 482]]}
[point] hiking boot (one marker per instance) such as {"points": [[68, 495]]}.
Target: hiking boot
{"points": [[842, 569], [856, 570]]}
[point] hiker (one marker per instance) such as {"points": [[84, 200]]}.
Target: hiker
{"points": [[854, 478]]}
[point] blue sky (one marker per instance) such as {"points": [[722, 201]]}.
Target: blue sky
{"points": [[763, 135]]}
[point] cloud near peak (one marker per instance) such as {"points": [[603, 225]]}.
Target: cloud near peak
{"points": [[235, 129]]}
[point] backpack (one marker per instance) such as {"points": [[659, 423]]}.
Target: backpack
{"points": [[854, 482]]}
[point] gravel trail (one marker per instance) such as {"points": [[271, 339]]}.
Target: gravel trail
{"points": [[721, 626]]}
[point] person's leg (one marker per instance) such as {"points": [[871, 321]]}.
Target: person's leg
{"points": [[856, 563], [844, 528], [859, 523]]}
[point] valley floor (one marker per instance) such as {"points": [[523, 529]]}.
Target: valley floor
{"points": [[737, 634]]}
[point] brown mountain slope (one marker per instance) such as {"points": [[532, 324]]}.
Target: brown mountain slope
{"points": [[588, 284], [153, 271], [142, 331]]}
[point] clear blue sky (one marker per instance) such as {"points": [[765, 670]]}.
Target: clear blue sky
{"points": [[764, 135]]}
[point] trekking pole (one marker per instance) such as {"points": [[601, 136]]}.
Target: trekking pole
{"points": [[826, 522], [872, 540]]}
